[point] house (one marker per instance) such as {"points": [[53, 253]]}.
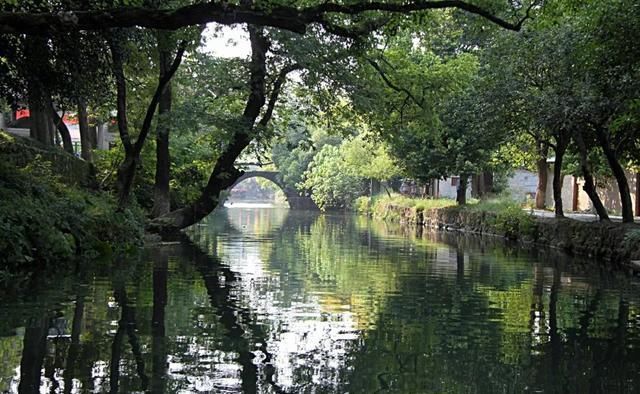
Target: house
{"points": [[574, 198], [18, 123], [521, 185]]}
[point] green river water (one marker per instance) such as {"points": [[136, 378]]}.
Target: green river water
{"points": [[278, 301]]}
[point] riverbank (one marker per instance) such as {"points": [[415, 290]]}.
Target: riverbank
{"points": [[613, 242], [49, 218]]}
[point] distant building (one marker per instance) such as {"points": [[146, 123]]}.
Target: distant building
{"points": [[18, 123], [522, 186], [574, 198]]}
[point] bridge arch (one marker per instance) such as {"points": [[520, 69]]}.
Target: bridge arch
{"points": [[295, 200]]}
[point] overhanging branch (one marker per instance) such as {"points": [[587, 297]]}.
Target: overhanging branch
{"points": [[392, 85], [162, 84], [284, 17], [275, 92]]}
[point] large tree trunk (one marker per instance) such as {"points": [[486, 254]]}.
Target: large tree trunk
{"points": [[561, 147], [461, 192], [86, 144], [36, 67], [127, 170], [224, 173], [618, 173], [67, 145], [41, 128], [541, 165], [161, 201], [589, 184]]}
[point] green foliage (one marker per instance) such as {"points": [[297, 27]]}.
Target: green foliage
{"points": [[512, 222], [369, 159], [505, 216], [107, 162], [45, 222], [399, 208], [363, 205], [331, 186]]}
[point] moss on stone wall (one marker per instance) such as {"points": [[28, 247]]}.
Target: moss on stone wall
{"points": [[20, 152], [614, 242]]}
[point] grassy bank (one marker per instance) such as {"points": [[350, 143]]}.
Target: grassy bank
{"points": [[47, 223], [398, 208], [616, 242]]}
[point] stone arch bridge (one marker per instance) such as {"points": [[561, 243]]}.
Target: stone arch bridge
{"points": [[295, 200]]}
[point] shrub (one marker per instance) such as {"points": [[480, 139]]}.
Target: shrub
{"points": [[512, 222], [45, 223], [363, 205]]}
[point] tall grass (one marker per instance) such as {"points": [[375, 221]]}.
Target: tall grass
{"points": [[381, 205]]}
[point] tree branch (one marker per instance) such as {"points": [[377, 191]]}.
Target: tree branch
{"points": [[275, 92], [121, 94], [284, 17], [162, 84], [393, 86]]}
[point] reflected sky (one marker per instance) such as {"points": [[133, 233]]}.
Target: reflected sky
{"points": [[274, 300]]}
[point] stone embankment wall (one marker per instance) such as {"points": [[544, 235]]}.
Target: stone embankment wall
{"points": [[21, 152], [614, 242]]}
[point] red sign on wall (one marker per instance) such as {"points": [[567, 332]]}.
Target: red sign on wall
{"points": [[22, 113]]}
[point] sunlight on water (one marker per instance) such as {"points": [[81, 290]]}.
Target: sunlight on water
{"points": [[250, 205], [274, 300]]}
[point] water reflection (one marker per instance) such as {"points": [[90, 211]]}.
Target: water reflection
{"points": [[273, 301]]}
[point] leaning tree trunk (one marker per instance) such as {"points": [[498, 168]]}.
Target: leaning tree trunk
{"points": [[161, 200], [589, 185], [618, 173], [222, 177], [224, 173], [63, 130], [541, 165], [561, 148]]}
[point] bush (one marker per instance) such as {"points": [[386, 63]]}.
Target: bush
{"points": [[399, 208], [512, 222], [45, 222], [363, 205]]}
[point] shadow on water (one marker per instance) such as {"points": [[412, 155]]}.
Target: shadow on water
{"points": [[273, 302], [44, 349]]}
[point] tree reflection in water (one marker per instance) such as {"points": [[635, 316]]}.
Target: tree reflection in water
{"points": [[269, 301]]}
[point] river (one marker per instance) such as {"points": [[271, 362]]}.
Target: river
{"points": [[273, 301]]}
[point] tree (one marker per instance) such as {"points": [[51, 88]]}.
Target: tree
{"points": [[127, 169], [332, 185], [161, 198], [424, 105], [286, 17], [352, 21], [369, 159], [294, 151], [609, 84]]}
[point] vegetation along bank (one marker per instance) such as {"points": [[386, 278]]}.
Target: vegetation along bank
{"points": [[48, 220], [618, 243]]}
